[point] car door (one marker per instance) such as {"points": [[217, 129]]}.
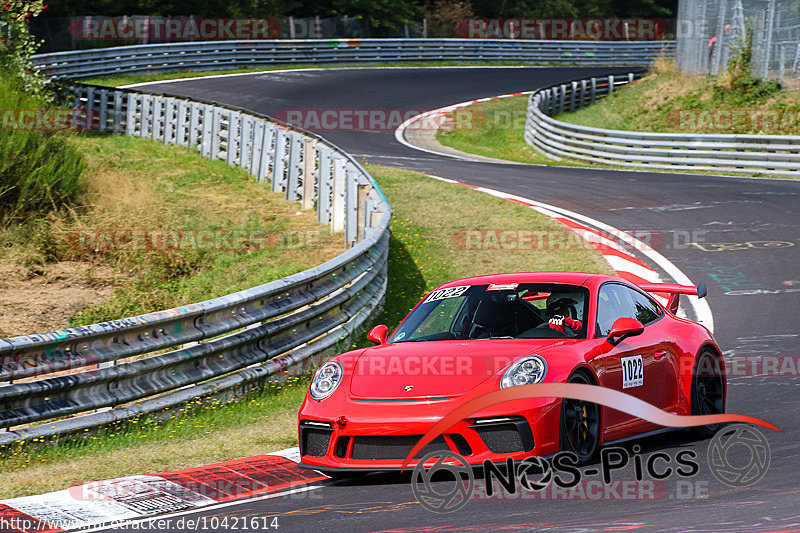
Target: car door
{"points": [[665, 365], [631, 366]]}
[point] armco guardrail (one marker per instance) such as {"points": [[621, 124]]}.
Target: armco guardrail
{"points": [[221, 55], [218, 344], [745, 154]]}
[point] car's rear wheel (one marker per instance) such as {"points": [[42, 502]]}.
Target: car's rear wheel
{"points": [[580, 424], [708, 390]]}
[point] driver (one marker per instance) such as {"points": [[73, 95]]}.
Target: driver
{"points": [[565, 311]]}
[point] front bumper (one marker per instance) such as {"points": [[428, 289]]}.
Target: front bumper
{"points": [[378, 435]]}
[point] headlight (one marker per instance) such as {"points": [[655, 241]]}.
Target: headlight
{"points": [[326, 380], [528, 370]]}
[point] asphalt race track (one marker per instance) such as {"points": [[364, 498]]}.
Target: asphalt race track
{"points": [[751, 283]]}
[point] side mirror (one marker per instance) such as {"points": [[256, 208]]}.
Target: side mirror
{"points": [[378, 334], [623, 328]]}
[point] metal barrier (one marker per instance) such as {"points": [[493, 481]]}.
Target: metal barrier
{"points": [[745, 154], [218, 344], [223, 55]]}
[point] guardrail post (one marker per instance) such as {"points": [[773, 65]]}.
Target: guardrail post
{"points": [[246, 142], [130, 119], [630, 77], [279, 161], [582, 100], [207, 132], [170, 122], [103, 110], [293, 176], [158, 119], [309, 171], [268, 134], [337, 202], [194, 123], [351, 206], [146, 117], [232, 155], [325, 186], [562, 95], [573, 95], [362, 209], [610, 84], [117, 119], [183, 125], [89, 103], [216, 132], [593, 92]]}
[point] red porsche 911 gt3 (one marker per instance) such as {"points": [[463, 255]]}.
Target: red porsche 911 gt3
{"points": [[367, 408]]}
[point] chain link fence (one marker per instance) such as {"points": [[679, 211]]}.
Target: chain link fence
{"points": [[711, 32]]}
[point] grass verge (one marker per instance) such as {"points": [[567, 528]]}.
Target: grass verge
{"points": [[175, 227], [492, 129], [425, 252], [667, 100]]}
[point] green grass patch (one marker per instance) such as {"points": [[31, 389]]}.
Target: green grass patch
{"points": [[425, 252], [667, 100], [147, 186], [492, 129], [39, 171]]}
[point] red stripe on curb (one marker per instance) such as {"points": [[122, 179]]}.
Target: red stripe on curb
{"points": [[15, 521], [632, 277], [608, 250], [243, 477]]}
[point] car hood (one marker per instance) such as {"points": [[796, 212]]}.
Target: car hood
{"points": [[437, 368]]}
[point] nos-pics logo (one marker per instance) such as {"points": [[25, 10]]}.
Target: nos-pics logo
{"points": [[738, 456]]}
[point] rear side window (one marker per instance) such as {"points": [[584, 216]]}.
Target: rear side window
{"points": [[645, 309], [616, 301]]}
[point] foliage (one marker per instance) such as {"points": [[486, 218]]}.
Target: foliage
{"points": [[738, 87], [442, 16], [18, 44], [39, 171], [381, 14]]}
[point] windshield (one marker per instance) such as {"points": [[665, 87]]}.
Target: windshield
{"points": [[518, 311]]}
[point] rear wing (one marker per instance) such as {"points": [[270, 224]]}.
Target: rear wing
{"points": [[675, 290]]}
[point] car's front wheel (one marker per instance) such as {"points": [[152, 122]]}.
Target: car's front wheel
{"points": [[580, 424]]}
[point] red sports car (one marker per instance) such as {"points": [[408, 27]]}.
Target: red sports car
{"points": [[367, 408]]}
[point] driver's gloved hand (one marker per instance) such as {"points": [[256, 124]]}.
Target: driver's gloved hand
{"points": [[559, 322]]}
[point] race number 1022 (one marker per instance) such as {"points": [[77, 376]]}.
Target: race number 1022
{"points": [[632, 372]]}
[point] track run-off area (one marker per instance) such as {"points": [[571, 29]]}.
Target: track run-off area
{"points": [[738, 235]]}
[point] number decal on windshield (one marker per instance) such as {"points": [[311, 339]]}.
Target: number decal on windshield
{"points": [[450, 292]]}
